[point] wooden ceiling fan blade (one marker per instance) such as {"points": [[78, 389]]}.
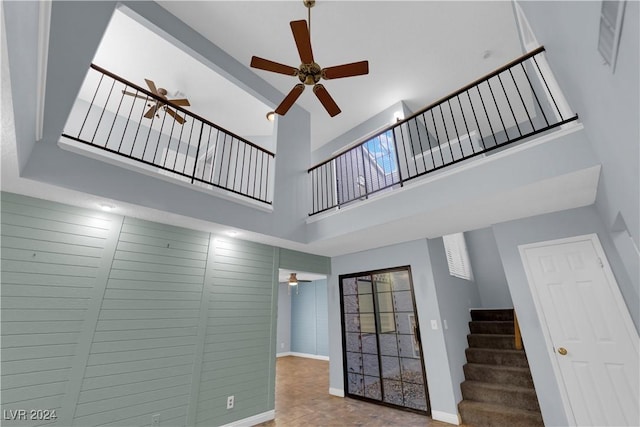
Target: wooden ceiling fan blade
{"points": [[152, 86], [303, 40], [346, 70], [180, 101], [175, 115], [326, 100], [149, 114], [290, 99], [265, 64], [134, 94]]}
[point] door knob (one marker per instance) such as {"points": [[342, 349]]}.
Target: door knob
{"points": [[562, 351]]}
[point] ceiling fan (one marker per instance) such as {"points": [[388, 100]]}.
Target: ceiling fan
{"points": [[309, 72], [157, 105], [293, 281]]}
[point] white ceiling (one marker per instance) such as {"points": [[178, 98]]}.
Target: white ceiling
{"points": [[418, 51]]}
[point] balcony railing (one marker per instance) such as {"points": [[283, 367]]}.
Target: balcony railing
{"points": [[513, 102], [195, 151]]}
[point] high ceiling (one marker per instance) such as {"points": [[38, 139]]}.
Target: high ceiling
{"points": [[418, 51]]}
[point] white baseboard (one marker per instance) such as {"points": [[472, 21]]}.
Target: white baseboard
{"points": [[446, 417], [336, 392], [284, 353], [253, 420], [308, 356]]}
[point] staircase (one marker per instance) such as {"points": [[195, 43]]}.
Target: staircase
{"points": [[498, 390]]}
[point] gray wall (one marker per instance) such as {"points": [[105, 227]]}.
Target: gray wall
{"points": [[455, 298], [558, 225], [309, 323], [607, 102], [442, 392], [488, 273], [110, 319], [283, 339]]}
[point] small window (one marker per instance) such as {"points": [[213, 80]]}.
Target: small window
{"points": [[457, 256]]}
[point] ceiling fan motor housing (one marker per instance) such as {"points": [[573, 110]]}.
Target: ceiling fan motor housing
{"points": [[309, 74]]}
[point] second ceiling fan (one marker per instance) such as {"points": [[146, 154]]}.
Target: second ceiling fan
{"points": [[309, 72]]}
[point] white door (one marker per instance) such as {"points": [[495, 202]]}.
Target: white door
{"points": [[589, 331]]}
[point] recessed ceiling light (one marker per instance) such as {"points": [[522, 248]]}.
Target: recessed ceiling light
{"points": [[106, 207]]}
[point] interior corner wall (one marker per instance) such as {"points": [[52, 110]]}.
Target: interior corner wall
{"points": [[416, 255], [488, 273], [455, 299], [569, 32], [309, 322], [111, 320], [283, 337], [569, 223]]}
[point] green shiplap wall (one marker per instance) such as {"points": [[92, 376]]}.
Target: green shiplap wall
{"points": [[238, 357], [52, 257], [111, 320], [144, 344], [300, 261]]}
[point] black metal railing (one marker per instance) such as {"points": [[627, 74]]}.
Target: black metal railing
{"points": [[173, 141], [511, 103]]}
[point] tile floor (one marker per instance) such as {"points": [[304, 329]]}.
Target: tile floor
{"points": [[303, 399]]}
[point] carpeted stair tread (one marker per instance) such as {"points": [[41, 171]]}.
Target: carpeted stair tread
{"points": [[496, 341], [491, 327], [503, 357], [480, 414], [501, 394], [496, 314], [509, 375]]}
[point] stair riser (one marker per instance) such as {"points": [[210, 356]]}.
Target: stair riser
{"points": [[506, 314], [491, 341], [484, 327], [474, 417], [497, 375], [518, 360], [523, 399]]}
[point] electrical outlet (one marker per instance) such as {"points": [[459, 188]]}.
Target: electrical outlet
{"points": [[281, 345], [155, 420], [230, 402], [434, 324], [444, 324]]}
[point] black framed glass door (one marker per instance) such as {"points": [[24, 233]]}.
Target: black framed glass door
{"points": [[381, 339]]}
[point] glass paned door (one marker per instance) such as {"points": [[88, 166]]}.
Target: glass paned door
{"points": [[382, 354]]}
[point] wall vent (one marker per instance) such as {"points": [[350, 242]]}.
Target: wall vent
{"points": [[610, 29]]}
